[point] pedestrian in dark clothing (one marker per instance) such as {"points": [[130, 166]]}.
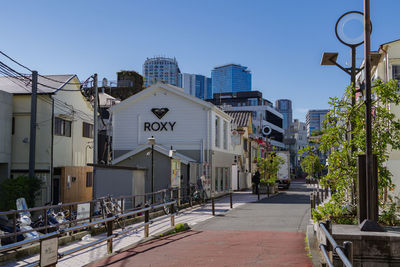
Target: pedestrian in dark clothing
{"points": [[256, 181]]}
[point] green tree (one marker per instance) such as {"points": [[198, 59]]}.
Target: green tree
{"points": [[22, 186], [310, 163], [269, 167], [343, 150]]}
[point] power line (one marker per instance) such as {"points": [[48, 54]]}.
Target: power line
{"points": [[16, 62]]}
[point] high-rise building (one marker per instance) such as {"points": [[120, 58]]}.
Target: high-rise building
{"points": [[230, 78], [160, 69], [314, 119], [284, 106], [196, 85]]}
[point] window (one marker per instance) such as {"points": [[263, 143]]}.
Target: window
{"points": [[225, 135], [87, 130], [62, 127], [396, 73], [245, 145], [89, 179], [217, 126]]}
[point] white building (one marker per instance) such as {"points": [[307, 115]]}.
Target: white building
{"points": [[6, 130], [197, 130], [64, 136]]}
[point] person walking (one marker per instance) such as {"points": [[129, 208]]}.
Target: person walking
{"points": [[256, 181]]}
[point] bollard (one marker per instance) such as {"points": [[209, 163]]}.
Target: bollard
{"points": [[45, 220], [230, 198], [312, 203], [173, 216], [190, 197], [146, 220], [314, 200], [213, 205], [109, 233], [268, 190], [348, 250]]}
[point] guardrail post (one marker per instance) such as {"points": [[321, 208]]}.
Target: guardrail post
{"points": [[268, 190], [190, 196], [213, 204], [230, 199], [45, 220], [312, 202], [258, 191], [328, 226], [179, 197], [146, 220], [173, 216], [348, 250], [15, 226], [122, 205], [109, 233]]}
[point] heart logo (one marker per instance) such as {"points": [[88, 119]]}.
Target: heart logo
{"points": [[159, 112]]}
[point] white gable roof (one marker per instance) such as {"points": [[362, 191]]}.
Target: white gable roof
{"points": [[170, 88], [161, 149]]}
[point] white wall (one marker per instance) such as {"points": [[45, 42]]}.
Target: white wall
{"points": [[5, 132], [189, 131]]}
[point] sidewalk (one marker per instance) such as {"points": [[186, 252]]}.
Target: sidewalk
{"points": [[191, 216]]}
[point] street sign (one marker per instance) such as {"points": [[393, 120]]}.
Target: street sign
{"points": [[49, 252], [266, 130]]}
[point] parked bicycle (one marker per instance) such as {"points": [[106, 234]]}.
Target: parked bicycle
{"points": [[111, 206], [198, 195]]}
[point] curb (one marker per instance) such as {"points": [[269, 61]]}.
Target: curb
{"points": [[313, 246]]}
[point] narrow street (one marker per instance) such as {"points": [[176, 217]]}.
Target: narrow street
{"points": [[269, 232]]}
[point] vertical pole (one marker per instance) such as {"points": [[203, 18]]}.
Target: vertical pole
{"points": [[213, 204], [362, 189], [173, 216], [348, 250], [230, 199], [109, 233], [353, 103], [258, 191], [45, 220], [95, 106], [368, 120], [32, 137], [328, 225], [311, 203], [190, 196], [15, 226], [152, 174], [146, 220]]}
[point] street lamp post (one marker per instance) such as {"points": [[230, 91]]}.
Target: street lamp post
{"points": [[151, 141]]}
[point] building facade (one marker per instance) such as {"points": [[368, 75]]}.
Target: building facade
{"points": [[160, 69], [196, 85], [314, 120], [64, 137], [263, 113], [284, 106], [230, 78], [6, 131], [296, 137], [198, 131]]}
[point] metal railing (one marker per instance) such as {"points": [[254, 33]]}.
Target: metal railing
{"points": [[344, 252], [109, 225], [127, 203]]}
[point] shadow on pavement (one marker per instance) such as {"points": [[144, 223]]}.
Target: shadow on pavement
{"points": [[145, 247]]}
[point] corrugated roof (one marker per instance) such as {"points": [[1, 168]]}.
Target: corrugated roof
{"points": [[45, 86], [240, 118]]}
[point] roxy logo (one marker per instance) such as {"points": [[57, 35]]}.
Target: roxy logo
{"points": [[159, 126], [159, 112]]}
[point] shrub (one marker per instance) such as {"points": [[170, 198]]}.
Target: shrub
{"points": [[22, 186]]}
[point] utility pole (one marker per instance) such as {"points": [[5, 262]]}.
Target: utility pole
{"points": [[371, 223], [95, 106], [32, 137]]}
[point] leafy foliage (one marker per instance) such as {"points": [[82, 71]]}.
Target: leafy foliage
{"points": [[22, 186], [343, 150], [269, 167], [310, 163]]}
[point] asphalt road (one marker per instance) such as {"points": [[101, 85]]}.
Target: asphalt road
{"points": [[287, 212], [269, 232]]}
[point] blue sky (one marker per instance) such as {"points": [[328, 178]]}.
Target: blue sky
{"points": [[280, 41]]}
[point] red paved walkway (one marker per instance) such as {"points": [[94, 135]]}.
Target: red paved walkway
{"points": [[217, 248]]}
